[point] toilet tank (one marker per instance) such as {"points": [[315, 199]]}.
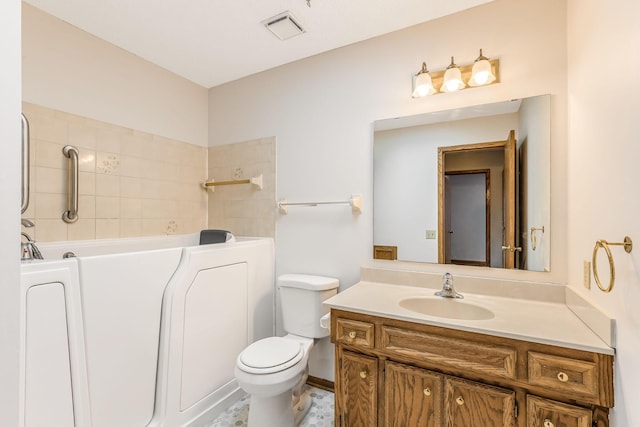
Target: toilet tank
{"points": [[301, 297]]}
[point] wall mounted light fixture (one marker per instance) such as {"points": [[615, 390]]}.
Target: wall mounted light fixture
{"points": [[454, 78]]}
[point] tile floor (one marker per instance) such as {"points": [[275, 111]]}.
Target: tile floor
{"points": [[320, 414]]}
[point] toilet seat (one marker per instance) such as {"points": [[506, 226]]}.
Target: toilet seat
{"points": [[270, 355]]}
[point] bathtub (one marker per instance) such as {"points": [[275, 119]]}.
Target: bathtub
{"points": [[140, 332]]}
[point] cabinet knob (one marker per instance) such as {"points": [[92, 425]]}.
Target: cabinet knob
{"points": [[563, 377], [427, 391], [548, 423], [352, 334], [363, 374], [460, 400]]}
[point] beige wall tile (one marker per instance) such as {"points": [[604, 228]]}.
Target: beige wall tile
{"points": [[109, 139], [130, 227], [107, 207], [86, 160], [49, 180], [131, 183], [107, 228], [47, 127], [50, 230], [48, 154], [130, 208], [82, 135], [49, 206], [131, 187], [82, 229], [87, 183], [107, 185], [86, 206], [243, 209], [155, 209], [107, 163]]}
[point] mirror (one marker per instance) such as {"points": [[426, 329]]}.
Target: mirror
{"points": [[448, 189]]}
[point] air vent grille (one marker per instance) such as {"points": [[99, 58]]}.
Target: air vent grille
{"points": [[284, 26]]}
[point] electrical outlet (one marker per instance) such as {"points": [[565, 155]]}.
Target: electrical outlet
{"points": [[587, 274], [431, 234]]}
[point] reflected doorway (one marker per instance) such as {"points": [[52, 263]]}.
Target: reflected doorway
{"points": [[500, 158], [468, 217]]}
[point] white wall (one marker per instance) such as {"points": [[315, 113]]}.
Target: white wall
{"points": [[535, 127], [604, 201], [10, 213], [67, 69], [321, 110]]}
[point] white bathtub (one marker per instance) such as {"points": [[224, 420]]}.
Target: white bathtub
{"points": [[145, 331]]}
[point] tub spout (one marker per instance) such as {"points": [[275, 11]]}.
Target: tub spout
{"points": [[29, 249]]}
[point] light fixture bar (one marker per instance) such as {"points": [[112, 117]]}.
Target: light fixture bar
{"points": [[437, 77]]}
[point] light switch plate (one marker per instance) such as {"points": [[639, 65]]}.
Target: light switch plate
{"points": [[431, 234], [587, 274]]}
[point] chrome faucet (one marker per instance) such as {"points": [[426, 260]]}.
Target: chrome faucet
{"points": [[448, 290], [29, 249]]}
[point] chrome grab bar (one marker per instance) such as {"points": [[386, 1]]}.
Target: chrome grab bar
{"points": [[71, 215], [25, 163]]}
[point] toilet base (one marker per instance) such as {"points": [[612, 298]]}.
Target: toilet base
{"points": [[302, 408]]}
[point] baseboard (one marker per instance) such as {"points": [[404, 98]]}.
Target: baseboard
{"points": [[321, 383]]}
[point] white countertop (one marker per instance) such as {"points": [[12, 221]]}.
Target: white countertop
{"points": [[541, 322]]}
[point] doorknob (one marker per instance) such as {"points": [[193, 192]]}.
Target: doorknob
{"points": [[512, 248]]}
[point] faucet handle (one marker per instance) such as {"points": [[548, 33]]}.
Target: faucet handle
{"points": [[447, 278]]}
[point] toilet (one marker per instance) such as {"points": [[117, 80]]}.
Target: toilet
{"points": [[274, 370]]}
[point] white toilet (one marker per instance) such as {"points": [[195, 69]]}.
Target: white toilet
{"points": [[274, 370]]}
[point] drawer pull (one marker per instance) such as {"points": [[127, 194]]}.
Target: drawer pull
{"points": [[427, 391], [548, 423], [352, 335], [363, 374], [460, 400], [562, 377]]}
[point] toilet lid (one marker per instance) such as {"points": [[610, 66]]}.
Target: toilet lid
{"points": [[271, 354]]}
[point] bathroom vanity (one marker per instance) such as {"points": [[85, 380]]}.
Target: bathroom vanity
{"points": [[495, 362]]}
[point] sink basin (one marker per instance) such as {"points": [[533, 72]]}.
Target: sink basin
{"points": [[446, 307]]}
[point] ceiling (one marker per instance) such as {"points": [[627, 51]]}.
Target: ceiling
{"points": [[211, 42]]}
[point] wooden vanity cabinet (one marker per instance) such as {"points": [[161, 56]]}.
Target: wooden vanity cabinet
{"points": [[393, 373], [359, 382]]}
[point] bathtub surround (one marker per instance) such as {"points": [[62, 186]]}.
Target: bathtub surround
{"points": [[131, 183], [135, 340], [244, 209]]}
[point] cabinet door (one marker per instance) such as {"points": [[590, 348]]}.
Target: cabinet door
{"points": [[470, 404], [413, 397], [547, 413], [358, 404]]}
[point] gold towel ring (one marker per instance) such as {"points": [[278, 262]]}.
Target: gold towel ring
{"points": [[628, 246]]}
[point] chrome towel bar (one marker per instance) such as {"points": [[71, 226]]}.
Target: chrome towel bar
{"points": [[71, 215]]}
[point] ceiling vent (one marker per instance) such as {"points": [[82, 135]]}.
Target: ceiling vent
{"points": [[284, 26]]}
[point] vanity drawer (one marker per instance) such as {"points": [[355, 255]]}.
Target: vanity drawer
{"points": [[354, 332], [548, 413], [563, 374], [456, 353]]}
